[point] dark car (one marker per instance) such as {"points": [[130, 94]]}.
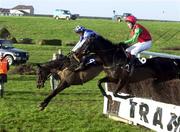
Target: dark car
{"points": [[126, 15], [13, 55]]}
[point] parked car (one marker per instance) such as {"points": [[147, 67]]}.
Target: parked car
{"points": [[13, 55], [120, 18], [126, 15], [64, 14]]}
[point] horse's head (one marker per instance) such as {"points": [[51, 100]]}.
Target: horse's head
{"points": [[42, 75], [46, 69]]}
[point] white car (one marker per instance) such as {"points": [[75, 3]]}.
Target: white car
{"points": [[64, 14]]}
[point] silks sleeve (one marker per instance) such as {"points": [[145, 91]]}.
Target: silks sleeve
{"points": [[134, 37]]}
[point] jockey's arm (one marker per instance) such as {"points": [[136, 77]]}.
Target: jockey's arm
{"points": [[134, 37], [86, 36], [78, 45]]}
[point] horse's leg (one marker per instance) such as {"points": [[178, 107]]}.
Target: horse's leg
{"points": [[102, 80], [61, 86], [122, 82]]}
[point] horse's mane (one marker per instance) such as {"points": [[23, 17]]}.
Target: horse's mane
{"points": [[106, 44], [105, 48], [59, 63]]}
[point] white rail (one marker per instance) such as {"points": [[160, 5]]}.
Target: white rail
{"points": [[164, 55]]}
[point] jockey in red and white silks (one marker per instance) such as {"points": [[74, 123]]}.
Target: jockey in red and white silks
{"points": [[140, 36]]}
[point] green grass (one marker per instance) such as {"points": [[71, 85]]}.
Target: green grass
{"points": [[163, 33], [78, 108]]}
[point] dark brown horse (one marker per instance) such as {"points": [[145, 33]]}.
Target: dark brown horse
{"points": [[66, 74], [114, 57]]}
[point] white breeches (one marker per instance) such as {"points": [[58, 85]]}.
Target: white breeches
{"points": [[139, 47]]}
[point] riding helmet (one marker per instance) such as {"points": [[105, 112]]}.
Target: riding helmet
{"points": [[131, 19], [79, 29]]}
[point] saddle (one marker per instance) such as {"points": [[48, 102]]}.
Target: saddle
{"points": [[73, 62]]}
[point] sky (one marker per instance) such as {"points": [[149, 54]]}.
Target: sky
{"points": [[142, 9]]}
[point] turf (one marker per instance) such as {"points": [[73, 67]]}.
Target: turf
{"points": [[78, 108]]}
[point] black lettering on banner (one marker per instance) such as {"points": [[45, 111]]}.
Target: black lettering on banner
{"points": [[143, 111], [157, 119], [132, 109], [174, 122]]}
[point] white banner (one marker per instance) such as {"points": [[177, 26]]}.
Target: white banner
{"points": [[152, 114]]}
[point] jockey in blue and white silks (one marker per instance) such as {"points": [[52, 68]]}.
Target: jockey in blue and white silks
{"points": [[84, 35]]}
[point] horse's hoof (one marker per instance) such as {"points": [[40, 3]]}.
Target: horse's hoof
{"points": [[42, 106]]}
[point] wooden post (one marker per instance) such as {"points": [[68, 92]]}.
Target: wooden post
{"points": [[53, 82], [54, 56], [60, 51]]}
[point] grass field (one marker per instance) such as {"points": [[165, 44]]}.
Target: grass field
{"points": [[78, 108]]}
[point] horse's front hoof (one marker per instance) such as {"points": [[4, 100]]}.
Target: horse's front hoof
{"points": [[40, 85], [42, 106]]}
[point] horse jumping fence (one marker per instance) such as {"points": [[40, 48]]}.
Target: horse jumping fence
{"points": [[153, 114]]}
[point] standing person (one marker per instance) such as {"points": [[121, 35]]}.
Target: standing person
{"points": [[84, 35], [4, 67], [140, 36]]}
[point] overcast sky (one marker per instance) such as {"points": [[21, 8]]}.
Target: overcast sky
{"points": [[147, 9]]}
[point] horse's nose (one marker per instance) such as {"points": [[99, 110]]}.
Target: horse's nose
{"points": [[40, 85]]}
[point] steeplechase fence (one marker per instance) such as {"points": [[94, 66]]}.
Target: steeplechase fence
{"points": [[153, 114]]}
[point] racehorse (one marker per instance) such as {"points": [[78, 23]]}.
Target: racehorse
{"points": [[114, 58], [63, 69]]}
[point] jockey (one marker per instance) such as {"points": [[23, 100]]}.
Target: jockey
{"points": [[140, 36], [84, 35]]}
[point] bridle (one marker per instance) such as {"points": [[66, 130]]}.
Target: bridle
{"points": [[43, 79]]}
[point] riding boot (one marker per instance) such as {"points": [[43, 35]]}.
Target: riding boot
{"points": [[82, 65], [130, 66]]}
